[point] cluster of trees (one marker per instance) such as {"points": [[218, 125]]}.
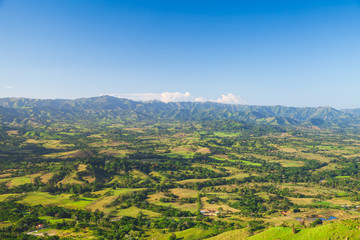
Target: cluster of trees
{"points": [[148, 155], [138, 199], [25, 218]]}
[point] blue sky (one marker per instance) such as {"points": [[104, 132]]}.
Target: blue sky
{"points": [[293, 53]]}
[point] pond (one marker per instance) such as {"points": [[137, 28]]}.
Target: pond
{"points": [[330, 218], [313, 219]]}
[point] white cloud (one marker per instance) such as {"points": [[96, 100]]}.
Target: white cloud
{"points": [[9, 87], [139, 96], [178, 97], [164, 96], [200, 99], [230, 99], [175, 96]]}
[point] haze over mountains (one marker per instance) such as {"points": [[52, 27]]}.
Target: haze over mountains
{"points": [[107, 108]]}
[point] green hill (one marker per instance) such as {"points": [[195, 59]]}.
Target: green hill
{"points": [[348, 229], [20, 110]]}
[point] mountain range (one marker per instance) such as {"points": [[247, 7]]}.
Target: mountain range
{"points": [[108, 108]]}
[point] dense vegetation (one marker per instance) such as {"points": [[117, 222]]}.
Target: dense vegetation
{"points": [[107, 168], [106, 108]]}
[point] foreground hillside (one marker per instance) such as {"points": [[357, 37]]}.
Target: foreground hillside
{"points": [[174, 179], [348, 229]]}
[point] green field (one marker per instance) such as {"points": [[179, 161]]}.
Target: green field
{"points": [[189, 234], [134, 212], [217, 180], [62, 200]]}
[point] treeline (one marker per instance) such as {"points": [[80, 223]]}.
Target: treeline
{"points": [[25, 218]]}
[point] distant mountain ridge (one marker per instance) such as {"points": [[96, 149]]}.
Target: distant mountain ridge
{"points": [[119, 109]]}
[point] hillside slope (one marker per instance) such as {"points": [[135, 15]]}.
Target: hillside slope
{"points": [[117, 109], [347, 229]]}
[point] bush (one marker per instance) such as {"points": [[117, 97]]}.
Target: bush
{"points": [[316, 222], [172, 236]]}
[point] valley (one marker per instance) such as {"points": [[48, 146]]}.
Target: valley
{"points": [[195, 179]]}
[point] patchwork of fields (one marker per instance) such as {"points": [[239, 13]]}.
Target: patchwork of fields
{"points": [[192, 180]]}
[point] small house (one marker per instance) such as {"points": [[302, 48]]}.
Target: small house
{"points": [[40, 226]]}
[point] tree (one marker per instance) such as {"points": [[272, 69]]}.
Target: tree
{"points": [[296, 210], [316, 222], [172, 236]]}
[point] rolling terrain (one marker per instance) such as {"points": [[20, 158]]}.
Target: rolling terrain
{"points": [[107, 108], [109, 168]]}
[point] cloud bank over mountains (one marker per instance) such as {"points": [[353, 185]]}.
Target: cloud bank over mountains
{"points": [[179, 97], [230, 99]]}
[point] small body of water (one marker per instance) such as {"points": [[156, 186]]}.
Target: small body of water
{"points": [[313, 219], [330, 218]]}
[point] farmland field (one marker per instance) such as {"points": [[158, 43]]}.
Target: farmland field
{"points": [[189, 179]]}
